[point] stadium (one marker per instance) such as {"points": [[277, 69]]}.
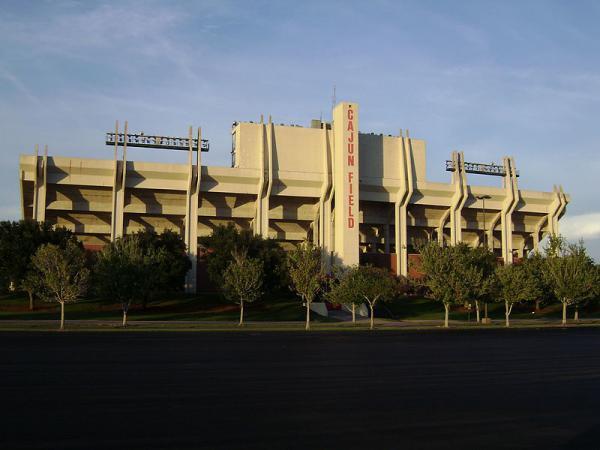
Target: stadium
{"points": [[362, 197]]}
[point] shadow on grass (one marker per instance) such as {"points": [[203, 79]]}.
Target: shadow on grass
{"points": [[204, 306], [211, 306]]}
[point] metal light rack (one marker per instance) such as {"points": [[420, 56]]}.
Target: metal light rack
{"points": [[164, 142], [479, 168]]}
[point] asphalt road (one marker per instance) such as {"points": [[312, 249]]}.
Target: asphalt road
{"points": [[428, 390]]}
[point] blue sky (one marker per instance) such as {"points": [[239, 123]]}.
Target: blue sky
{"points": [[490, 78]]}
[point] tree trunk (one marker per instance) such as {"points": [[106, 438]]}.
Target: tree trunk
{"points": [[353, 313], [576, 315], [241, 313], [30, 301], [124, 318], [537, 305], [307, 316], [486, 312], [564, 315], [372, 315], [477, 311], [62, 316], [507, 314], [447, 312]]}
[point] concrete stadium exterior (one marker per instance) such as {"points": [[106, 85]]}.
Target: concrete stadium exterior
{"points": [[361, 197]]}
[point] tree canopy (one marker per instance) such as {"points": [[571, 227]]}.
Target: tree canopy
{"points": [[64, 277], [364, 283], [242, 281], [570, 273], [455, 274], [18, 243], [173, 265], [127, 271], [517, 283], [306, 273], [227, 239]]}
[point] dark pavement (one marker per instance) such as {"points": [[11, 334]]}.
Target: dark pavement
{"points": [[428, 390]]}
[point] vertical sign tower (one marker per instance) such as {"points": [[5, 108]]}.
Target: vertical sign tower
{"points": [[346, 182]]}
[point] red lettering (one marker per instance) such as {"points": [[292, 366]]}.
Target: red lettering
{"points": [[351, 162]]}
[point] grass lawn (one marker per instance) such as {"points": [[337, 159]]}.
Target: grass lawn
{"points": [[206, 306], [212, 307], [425, 309]]}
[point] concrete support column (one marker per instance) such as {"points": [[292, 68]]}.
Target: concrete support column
{"points": [[536, 233], [402, 199], [504, 218], [191, 211], [260, 189], [562, 198], [440, 228], [328, 217], [459, 180], [490, 230], [265, 183], [386, 238], [510, 203], [322, 216], [410, 183], [40, 184], [553, 211], [521, 248], [270, 137], [118, 195]]}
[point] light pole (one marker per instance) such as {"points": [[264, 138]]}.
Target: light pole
{"points": [[483, 198]]}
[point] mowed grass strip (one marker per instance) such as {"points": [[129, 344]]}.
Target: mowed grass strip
{"points": [[211, 307]]}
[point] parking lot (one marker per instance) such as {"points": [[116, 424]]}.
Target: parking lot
{"points": [[386, 389]]}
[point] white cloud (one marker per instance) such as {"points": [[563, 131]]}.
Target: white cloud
{"points": [[583, 226]]}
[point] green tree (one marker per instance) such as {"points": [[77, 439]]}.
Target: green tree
{"points": [[64, 276], [571, 274], [556, 246], [127, 273], [365, 283], [171, 268], [338, 291], [450, 275], [242, 281], [32, 284], [517, 283], [537, 265], [306, 274], [19, 241], [481, 263], [225, 240]]}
